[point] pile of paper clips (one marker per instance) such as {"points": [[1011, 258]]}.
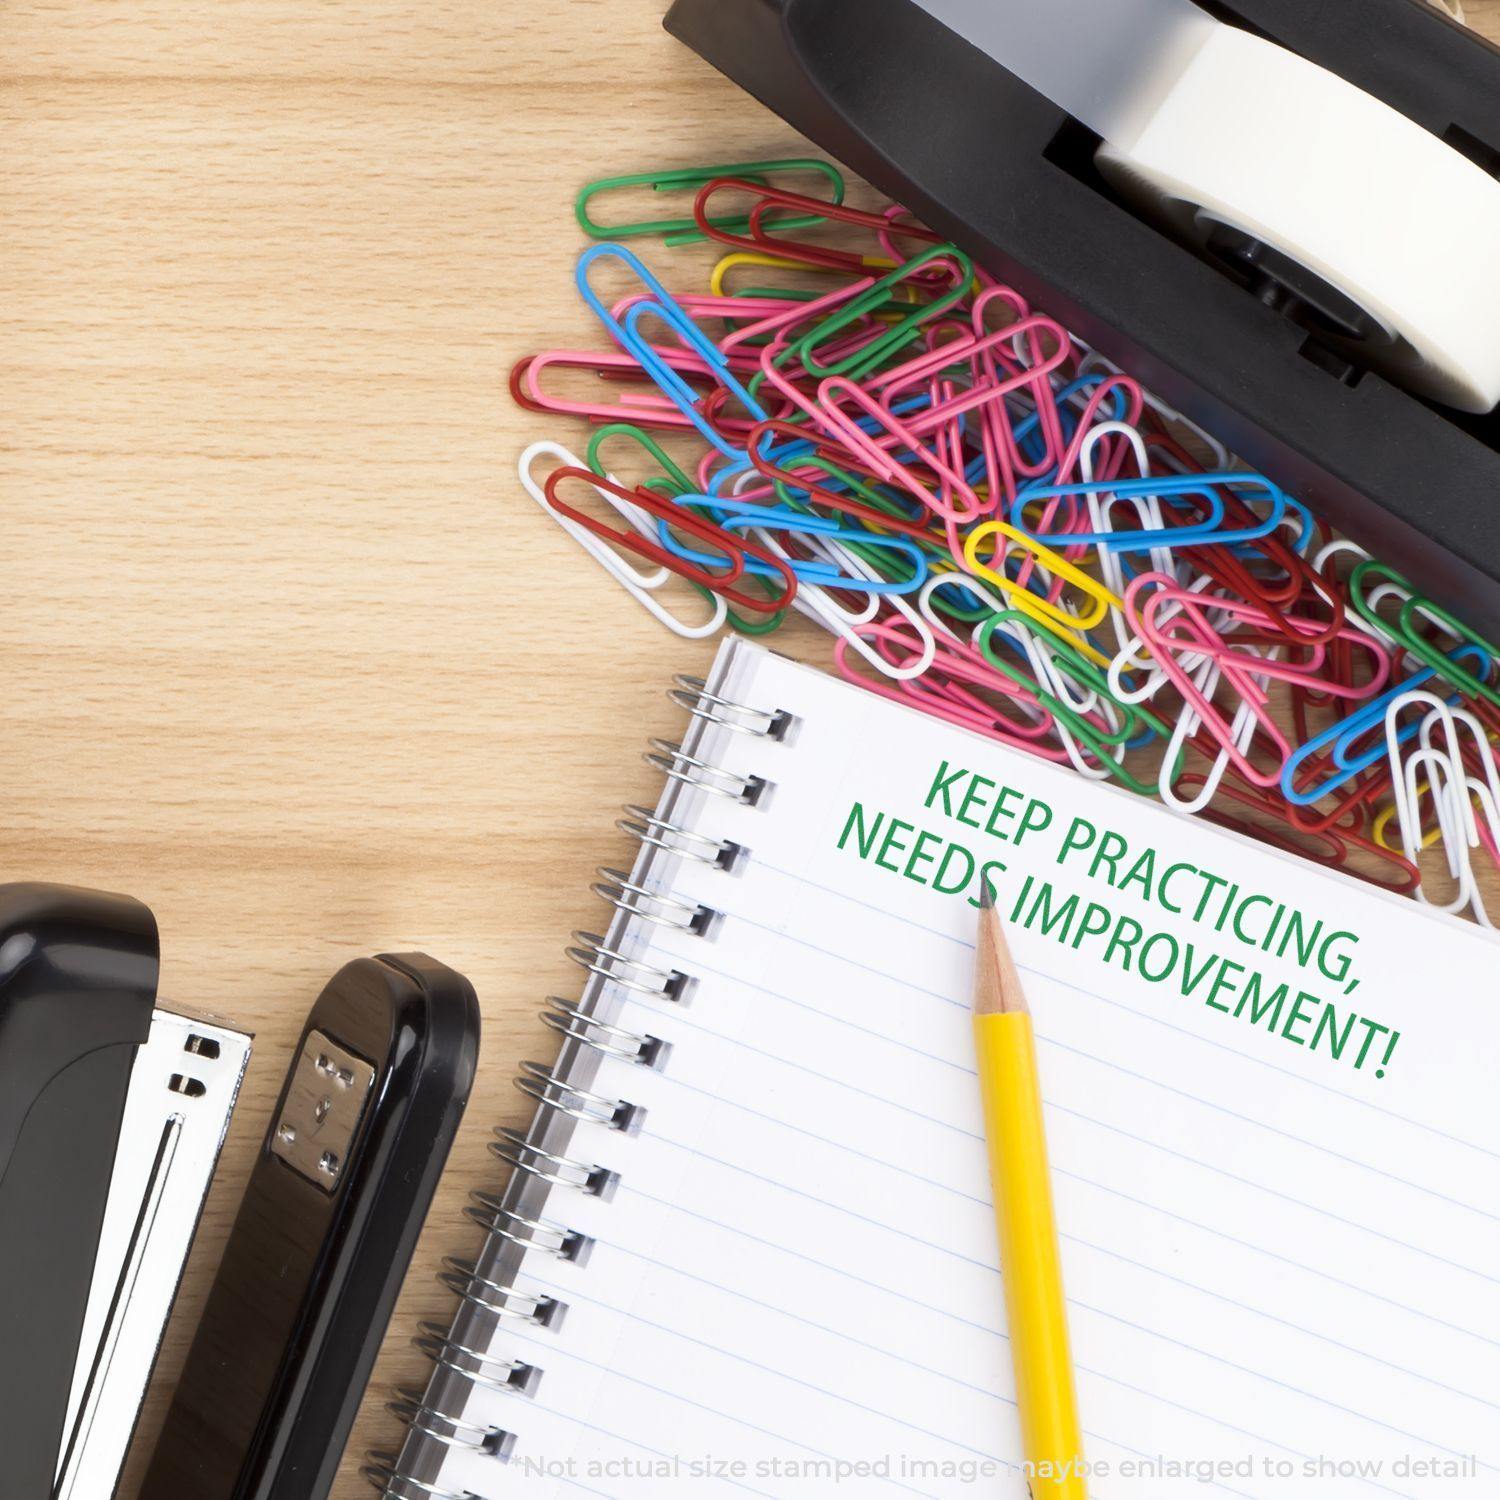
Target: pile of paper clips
{"points": [[998, 527]]}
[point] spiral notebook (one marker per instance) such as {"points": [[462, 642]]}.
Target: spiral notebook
{"points": [[748, 1249]]}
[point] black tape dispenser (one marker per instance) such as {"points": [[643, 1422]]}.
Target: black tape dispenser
{"points": [[1282, 217]]}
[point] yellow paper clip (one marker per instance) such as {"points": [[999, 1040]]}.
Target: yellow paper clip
{"points": [[760, 258], [1073, 627]]}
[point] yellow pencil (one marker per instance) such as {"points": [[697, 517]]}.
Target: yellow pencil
{"points": [[1029, 1260]]}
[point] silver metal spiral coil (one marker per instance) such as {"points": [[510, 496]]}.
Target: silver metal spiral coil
{"points": [[381, 1471], [486, 1210], [557, 1171], [463, 1277], [450, 1431], [569, 1019], [538, 1082], [676, 764], [656, 907], [692, 694], [483, 1369], [590, 951], [660, 833]]}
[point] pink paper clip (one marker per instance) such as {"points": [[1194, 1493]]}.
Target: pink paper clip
{"points": [[1307, 673], [945, 690], [781, 319], [838, 389], [645, 407]]}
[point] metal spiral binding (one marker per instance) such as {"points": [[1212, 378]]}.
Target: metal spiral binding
{"points": [[486, 1210], [380, 1470], [692, 694], [634, 900], [557, 1171], [451, 1432], [658, 833], [568, 1019], [537, 1082], [676, 764], [591, 952], [480, 1368], [462, 1276]]}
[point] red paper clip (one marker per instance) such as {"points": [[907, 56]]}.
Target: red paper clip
{"points": [[770, 200], [736, 549]]}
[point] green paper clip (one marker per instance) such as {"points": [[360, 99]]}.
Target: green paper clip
{"points": [[1078, 668], [1405, 633], [671, 472], [691, 179], [891, 288]]}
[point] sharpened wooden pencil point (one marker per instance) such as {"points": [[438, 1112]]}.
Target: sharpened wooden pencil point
{"points": [[997, 985]]}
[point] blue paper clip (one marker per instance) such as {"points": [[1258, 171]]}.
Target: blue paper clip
{"points": [[1347, 732], [628, 337], [742, 516], [1165, 487]]}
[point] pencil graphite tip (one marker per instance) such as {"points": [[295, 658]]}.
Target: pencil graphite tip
{"points": [[997, 984], [986, 895]]}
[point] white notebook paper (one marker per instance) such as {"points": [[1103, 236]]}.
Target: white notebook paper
{"points": [[1280, 1208]]}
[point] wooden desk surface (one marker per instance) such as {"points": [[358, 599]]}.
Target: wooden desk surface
{"points": [[287, 654]]}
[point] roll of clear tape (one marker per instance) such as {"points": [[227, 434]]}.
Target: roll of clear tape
{"points": [[1253, 137], [1207, 126]]}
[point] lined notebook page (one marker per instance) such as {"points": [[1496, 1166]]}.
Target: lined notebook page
{"points": [[1283, 1268]]}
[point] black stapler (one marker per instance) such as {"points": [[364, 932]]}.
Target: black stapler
{"points": [[78, 977], [111, 1118], [323, 1237], [1248, 345]]}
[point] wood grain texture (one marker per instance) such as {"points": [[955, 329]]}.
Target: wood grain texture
{"points": [[287, 654]]}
